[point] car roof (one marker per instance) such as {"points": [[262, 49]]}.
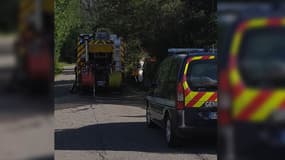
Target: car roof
{"points": [[233, 14]]}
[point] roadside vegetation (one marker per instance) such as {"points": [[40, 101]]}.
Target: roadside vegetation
{"points": [[147, 26]]}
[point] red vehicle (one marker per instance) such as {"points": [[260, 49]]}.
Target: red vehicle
{"points": [[34, 45]]}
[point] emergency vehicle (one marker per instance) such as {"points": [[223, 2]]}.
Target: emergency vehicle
{"points": [[34, 45], [184, 97], [251, 88], [100, 61]]}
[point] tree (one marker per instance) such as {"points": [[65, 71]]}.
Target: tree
{"points": [[151, 26], [67, 19]]}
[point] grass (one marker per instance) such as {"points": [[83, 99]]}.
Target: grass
{"points": [[66, 64], [59, 67], [8, 34]]}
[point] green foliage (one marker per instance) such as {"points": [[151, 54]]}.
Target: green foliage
{"points": [[156, 24], [58, 68], [8, 16], [150, 26], [67, 18]]}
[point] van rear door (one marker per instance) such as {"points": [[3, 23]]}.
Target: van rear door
{"points": [[257, 70], [200, 82]]}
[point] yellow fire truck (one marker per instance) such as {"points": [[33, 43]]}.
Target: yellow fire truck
{"points": [[100, 60], [34, 45]]}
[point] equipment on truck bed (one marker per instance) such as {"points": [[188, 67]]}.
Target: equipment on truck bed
{"points": [[100, 60]]}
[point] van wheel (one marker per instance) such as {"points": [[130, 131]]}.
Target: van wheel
{"points": [[149, 122], [171, 138]]}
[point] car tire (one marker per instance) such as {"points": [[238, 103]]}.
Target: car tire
{"points": [[170, 136], [149, 122]]}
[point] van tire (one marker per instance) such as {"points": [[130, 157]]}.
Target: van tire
{"points": [[149, 122], [170, 136]]}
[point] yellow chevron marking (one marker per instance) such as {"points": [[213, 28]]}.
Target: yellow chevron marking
{"points": [[203, 99], [79, 54], [189, 97], [255, 23], [212, 57], [239, 103], [269, 106], [283, 21], [248, 95], [186, 69], [80, 47], [236, 43], [185, 85], [197, 58], [235, 77]]}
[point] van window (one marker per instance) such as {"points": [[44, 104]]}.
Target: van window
{"points": [[173, 78], [202, 75], [174, 71], [262, 58], [164, 70], [162, 78]]}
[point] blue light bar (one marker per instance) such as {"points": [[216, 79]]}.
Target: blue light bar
{"points": [[185, 50], [192, 51]]}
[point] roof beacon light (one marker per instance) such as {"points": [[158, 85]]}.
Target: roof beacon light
{"points": [[185, 50]]}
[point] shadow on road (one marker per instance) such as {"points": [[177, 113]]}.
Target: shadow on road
{"points": [[133, 136], [137, 116]]}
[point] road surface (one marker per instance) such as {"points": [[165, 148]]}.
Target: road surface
{"points": [[111, 127]]}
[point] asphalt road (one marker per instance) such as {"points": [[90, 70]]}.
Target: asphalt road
{"points": [[111, 127]]}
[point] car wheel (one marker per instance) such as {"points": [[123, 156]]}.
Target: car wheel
{"points": [[171, 138], [149, 122]]}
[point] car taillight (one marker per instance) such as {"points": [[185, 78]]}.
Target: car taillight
{"points": [[224, 100], [180, 97]]}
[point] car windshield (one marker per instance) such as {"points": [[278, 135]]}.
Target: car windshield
{"points": [[262, 58], [202, 75]]}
